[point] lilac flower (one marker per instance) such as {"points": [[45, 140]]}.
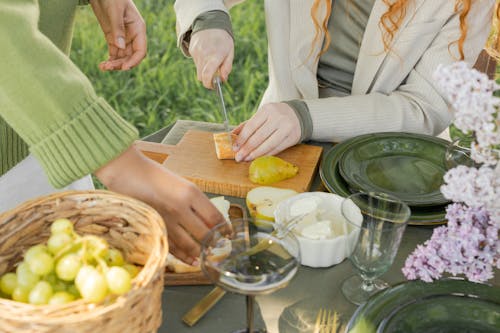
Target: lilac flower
{"points": [[469, 244]]}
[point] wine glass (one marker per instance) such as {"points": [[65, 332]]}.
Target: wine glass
{"points": [[376, 222], [243, 258], [458, 153]]}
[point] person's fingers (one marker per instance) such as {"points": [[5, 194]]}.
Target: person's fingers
{"points": [[138, 46], [238, 128], [261, 142], [139, 50], [208, 72], [111, 65], [247, 131], [117, 25], [287, 142], [227, 66], [207, 212], [178, 252], [182, 240]]}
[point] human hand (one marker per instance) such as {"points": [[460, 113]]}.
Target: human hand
{"points": [[187, 212], [271, 130], [125, 33], [212, 50]]}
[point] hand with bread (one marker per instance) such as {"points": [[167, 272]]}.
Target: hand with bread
{"points": [[212, 50], [272, 129], [187, 212]]}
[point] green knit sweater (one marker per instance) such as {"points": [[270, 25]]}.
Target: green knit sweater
{"points": [[47, 106]]}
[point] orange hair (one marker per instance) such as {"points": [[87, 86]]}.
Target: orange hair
{"points": [[391, 21]]}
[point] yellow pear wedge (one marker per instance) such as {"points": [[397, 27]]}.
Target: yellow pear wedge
{"points": [[262, 201], [266, 170]]}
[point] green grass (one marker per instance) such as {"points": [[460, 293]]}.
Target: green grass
{"points": [[164, 87]]}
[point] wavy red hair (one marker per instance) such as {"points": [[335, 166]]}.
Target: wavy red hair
{"points": [[391, 21]]}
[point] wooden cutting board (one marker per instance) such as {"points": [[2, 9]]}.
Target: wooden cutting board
{"points": [[194, 158]]}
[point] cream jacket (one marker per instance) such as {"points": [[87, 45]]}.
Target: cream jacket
{"points": [[391, 91]]}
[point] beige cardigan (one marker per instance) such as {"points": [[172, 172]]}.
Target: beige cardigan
{"points": [[391, 91]]}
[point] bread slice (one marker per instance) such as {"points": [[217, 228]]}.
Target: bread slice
{"points": [[223, 147]]}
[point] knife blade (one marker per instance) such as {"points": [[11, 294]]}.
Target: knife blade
{"points": [[217, 82]]}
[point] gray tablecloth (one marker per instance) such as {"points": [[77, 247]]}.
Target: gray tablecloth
{"points": [[292, 309]]}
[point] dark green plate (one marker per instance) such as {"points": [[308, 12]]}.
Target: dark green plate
{"points": [[333, 181], [408, 166], [445, 306]]}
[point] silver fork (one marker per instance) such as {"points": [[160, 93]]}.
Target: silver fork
{"points": [[326, 321]]}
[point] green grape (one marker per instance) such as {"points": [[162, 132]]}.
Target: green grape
{"points": [[132, 270], [34, 250], [61, 226], [71, 288], [56, 284], [61, 297], [91, 284], [68, 266], [40, 263], [25, 277], [21, 294], [41, 293], [58, 241], [118, 280], [97, 246], [8, 283], [114, 257]]}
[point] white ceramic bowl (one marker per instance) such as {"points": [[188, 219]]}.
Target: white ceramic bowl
{"points": [[320, 252]]}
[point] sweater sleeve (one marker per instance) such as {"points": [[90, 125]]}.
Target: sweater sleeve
{"points": [[51, 104]]}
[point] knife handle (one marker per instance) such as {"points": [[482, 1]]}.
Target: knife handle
{"points": [[203, 305]]}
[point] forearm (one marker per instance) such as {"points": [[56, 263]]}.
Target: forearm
{"points": [[50, 103], [338, 118]]}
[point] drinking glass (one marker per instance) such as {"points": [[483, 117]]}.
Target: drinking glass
{"points": [[376, 222], [254, 260], [458, 153]]}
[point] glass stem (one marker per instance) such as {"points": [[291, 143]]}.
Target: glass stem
{"points": [[367, 285], [250, 313]]}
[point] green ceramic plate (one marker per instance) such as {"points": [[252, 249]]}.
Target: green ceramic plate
{"points": [[333, 181], [445, 306], [408, 166]]}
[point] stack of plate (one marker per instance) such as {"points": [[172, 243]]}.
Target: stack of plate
{"points": [[408, 166]]}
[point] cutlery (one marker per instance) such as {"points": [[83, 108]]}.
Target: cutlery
{"points": [[326, 321], [206, 303], [217, 83]]}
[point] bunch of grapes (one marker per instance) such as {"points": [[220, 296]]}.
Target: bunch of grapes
{"points": [[68, 267]]}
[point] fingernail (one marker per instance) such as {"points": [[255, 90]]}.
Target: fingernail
{"points": [[120, 42], [236, 147], [195, 262], [238, 157]]}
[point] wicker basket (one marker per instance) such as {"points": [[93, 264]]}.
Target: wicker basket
{"points": [[127, 224]]}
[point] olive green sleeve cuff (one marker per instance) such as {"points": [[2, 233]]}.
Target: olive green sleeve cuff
{"points": [[214, 19], [302, 112], [90, 140]]}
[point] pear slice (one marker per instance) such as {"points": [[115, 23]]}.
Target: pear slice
{"points": [[262, 201], [266, 170]]}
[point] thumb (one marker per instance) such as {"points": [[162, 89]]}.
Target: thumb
{"points": [[116, 18]]}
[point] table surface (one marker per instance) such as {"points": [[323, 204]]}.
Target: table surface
{"points": [[292, 309]]}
